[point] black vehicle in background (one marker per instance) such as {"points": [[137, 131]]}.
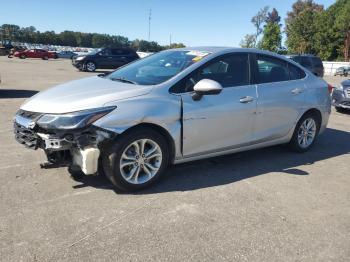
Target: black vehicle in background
{"points": [[104, 58], [311, 62]]}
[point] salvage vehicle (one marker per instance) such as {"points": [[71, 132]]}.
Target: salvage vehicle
{"points": [[172, 107], [341, 96], [311, 62], [35, 53], [104, 58]]}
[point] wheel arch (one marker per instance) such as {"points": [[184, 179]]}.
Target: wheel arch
{"points": [[315, 112], [162, 131]]}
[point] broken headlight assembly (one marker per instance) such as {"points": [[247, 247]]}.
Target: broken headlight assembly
{"points": [[74, 120]]}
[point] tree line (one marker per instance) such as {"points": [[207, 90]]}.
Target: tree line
{"points": [[15, 33], [309, 28]]}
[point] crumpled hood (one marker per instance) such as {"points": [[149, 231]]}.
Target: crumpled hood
{"points": [[86, 93]]}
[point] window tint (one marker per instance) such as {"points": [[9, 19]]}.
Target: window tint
{"points": [[305, 61], [317, 61], [271, 69], [229, 71], [106, 52], [120, 52], [295, 72]]}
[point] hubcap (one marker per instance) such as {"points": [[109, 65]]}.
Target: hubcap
{"points": [[307, 133], [90, 66], [140, 161]]}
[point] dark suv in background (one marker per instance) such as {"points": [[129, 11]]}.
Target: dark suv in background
{"points": [[104, 58], [311, 62]]}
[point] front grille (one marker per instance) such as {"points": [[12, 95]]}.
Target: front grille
{"points": [[347, 91], [25, 136]]}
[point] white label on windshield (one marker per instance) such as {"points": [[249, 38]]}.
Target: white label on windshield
{"points": [[197, 53]]}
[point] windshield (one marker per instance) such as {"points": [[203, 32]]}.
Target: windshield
{"points": [[157, 68], [94, 52]]}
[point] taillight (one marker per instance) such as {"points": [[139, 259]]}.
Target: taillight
{"points": [[330, 88]]}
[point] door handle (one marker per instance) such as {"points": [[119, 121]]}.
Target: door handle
{"points": [[246, 99], [297, 91]]}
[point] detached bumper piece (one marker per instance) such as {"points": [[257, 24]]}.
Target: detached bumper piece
{"points": [[26, 136]]}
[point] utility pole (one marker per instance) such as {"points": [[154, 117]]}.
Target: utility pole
{"points": [[149, 25]]}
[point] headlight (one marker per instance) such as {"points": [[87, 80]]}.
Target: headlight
{"points": [[73, 120], [79, 58], [339, 88]]}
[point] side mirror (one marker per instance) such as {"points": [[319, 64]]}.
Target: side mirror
{"points": [[206, 87]]}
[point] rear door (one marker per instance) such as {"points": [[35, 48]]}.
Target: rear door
{"points": [[223, 121], [281, 97], [120, 57]]}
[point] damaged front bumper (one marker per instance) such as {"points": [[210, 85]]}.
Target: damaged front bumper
{"points": [[75, 148]]}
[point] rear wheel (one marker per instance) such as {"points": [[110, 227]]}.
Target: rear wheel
{"points": [[90, 66], [136, 160], [45, 57], [305, 133], [23, 56]]}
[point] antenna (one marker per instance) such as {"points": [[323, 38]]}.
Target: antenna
{"points": [[149, 25]]}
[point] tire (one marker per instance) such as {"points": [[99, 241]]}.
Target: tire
{"points": [[45, 58], [297, 143], [133, 176], [23, 57], [90, 66]]}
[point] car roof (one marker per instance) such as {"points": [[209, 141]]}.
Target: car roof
{"points": [[224, 49], [304, 55]]}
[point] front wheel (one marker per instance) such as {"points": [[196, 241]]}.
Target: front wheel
{"points": [[305, 133], [136, 160], [90, 66]]}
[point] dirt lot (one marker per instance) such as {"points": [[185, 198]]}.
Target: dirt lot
{"points": [[262, 205]]}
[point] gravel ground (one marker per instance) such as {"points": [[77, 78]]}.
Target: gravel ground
{"points": [[262, 205]]}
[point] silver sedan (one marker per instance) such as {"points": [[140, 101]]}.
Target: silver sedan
{"points": [[172, 107]]}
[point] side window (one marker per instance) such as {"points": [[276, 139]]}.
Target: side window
{"points": [[120, 52], [271, 69], [305, 62], [229, 70], [317, 61], [295, 72], [106, 52]]}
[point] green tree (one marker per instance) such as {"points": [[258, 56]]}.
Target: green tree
{"points": [[258, 20], [272, 35], [301, 26]]}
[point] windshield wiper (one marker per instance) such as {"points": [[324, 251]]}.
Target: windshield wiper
{"points": [[121, 79]]}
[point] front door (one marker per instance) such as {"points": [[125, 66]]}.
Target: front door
{"points": [[223, 121]]}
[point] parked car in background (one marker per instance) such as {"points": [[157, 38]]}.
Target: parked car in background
{"points": [[342, 71], [175, 106], [105, 58], [35, 53], [311, 62], [66, 54], [341, 96]]}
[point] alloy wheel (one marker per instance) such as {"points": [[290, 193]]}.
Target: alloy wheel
{"points": [[90, 67], [140, 161], [307, 133]]}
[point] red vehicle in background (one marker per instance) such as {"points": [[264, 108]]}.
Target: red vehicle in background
{"points": [[35, 53]]}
